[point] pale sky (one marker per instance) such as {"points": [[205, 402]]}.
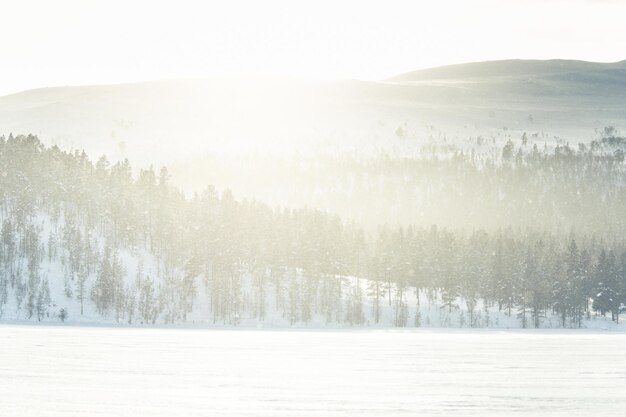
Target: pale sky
{"points": [[73, 42]]}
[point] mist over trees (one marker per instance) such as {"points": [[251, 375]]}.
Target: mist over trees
{"points": [[481, 183], [537, 234]]}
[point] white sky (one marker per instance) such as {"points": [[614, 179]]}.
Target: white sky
{"points": [[64, 42]]}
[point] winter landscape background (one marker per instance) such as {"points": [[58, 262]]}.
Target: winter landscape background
{"points": [[328, 208], [513, 227]]}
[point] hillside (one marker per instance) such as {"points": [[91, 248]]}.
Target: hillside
{"points": [[178, 119], [326, 144], [514, 68], [91, 242]]}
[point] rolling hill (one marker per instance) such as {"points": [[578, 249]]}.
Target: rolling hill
{"points": [[567, 99]]}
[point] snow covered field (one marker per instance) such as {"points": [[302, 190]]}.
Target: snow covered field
{"points": [[101, 371]]}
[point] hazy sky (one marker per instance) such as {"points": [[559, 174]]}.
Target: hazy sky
{"points": [[61, 42]]}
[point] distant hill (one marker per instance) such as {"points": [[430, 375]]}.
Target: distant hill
{"points": [[512, 68], [169, 121]]}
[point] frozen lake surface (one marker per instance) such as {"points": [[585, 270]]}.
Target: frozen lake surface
{"points": [[90, 371]]}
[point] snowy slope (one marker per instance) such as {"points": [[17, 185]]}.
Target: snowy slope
{"points": [[432, 312]]}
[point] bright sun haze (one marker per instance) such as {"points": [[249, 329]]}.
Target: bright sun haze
{"points": [[312, 208], [95, 42]]}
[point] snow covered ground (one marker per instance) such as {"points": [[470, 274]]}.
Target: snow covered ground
{"points": [[102, 371]]}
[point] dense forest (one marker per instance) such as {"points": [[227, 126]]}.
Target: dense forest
{"points": [[482, 183], [132, 248]]}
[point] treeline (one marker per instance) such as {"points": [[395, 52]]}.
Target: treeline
{"points": [[135, 249], [526, 183]]}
